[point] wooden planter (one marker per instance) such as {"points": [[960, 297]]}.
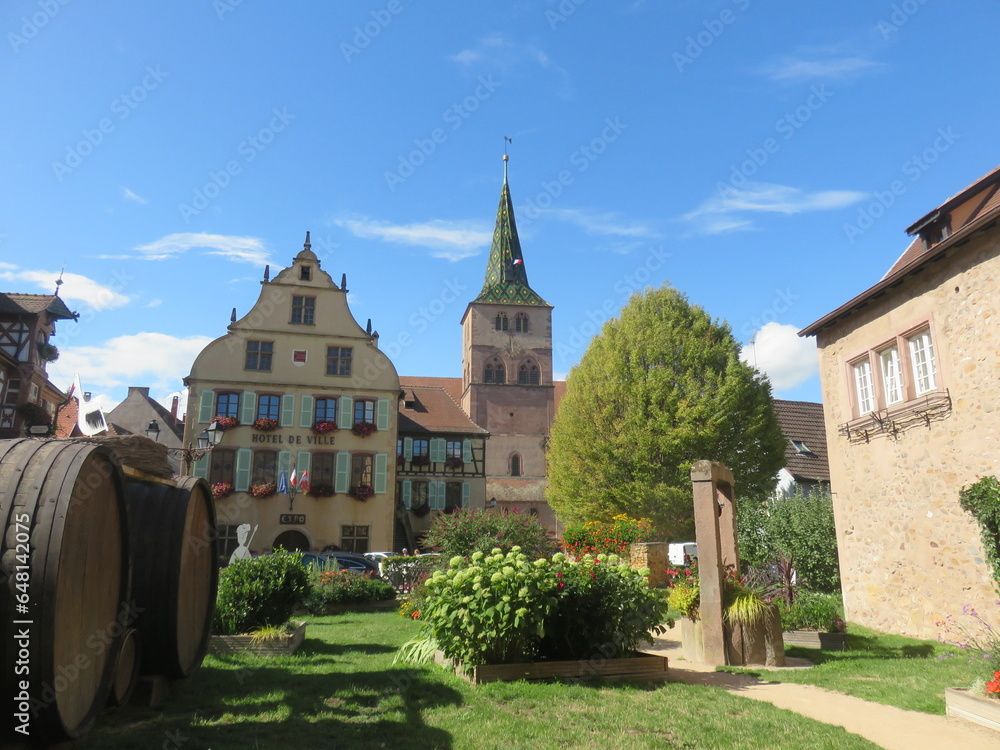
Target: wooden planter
{"points": [[816, 639], [983, 711], [639, 667], [223, 645]]}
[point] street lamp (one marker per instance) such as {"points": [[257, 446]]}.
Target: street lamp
{"points": [[153, 430], [207, 440]]}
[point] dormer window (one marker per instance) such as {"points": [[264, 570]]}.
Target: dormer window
{"points": [[802, 448], [305, 273], [937, 231]]}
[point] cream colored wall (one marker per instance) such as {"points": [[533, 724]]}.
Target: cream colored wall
{"points": [[220, 366], [909, 555]]}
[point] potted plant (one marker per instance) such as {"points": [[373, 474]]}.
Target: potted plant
{"points": [[454, 462], [363, 429], [322, 427], [264, 424], [263, 490], [225, 423], [47, 352], [33, 414], [420, 461], [320, 490], [221, 490], [813, 620], [362, 492]]}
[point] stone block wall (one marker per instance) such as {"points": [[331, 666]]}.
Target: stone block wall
{"points": [[652, 555]]}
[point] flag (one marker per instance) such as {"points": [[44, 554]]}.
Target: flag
{"points": [[293, 482], [304, 481], [283, 484], [517, 262]]}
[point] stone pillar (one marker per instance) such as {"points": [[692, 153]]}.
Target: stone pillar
{"points": [[652, 555], [715, 533]]}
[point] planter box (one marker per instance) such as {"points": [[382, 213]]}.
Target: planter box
{"points": [[639, 667], [816, 639], [223, 645], [983, 711]]}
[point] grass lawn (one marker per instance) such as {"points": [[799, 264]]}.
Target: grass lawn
{"points": [[342, 691], [890, 669]]}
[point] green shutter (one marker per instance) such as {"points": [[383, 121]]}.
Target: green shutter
{"points": [[284, 465], [381, 466], [200, 468], [382, 414], [244, 460], [288, 410], [436, 495], [407, 491], [342, 483], [408, 448], [207, 407], [466, 494], [467, 451], [437, 450], [248, 407], [302, 463], [306, 411], [345, 416]]}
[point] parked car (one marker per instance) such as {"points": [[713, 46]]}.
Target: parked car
{"points": [[682, 553]]}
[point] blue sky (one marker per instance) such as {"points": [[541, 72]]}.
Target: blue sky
{"points": [[743, 151]]}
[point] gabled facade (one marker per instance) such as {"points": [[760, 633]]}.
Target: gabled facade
{"points": [[910, 392], [138, 411], [27, 322], [304, 389]]}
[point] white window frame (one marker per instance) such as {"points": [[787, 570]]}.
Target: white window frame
{"points": [[922, 359], [863, 389], [892, 375]]}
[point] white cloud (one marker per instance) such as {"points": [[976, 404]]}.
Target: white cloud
{"points": [[499, 51], [154, 303], [785, 357], [453, 240], [157, 360], [130, 196], [594, 222], [240, 249], [721, 212], [75, 288], [798, 69]]}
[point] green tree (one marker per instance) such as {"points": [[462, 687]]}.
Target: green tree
{"points": [[661, 386]]}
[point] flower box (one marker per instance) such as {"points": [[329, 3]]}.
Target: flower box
{"points": [[816, 639], [221, 490], [977, 709], [225, 423], [321, 490], [322, 428], [222, 645], [639, 667], [362, 492], [265, 425], [261, 491], [363, 429]]}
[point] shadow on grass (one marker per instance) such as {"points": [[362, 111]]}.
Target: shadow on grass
{"points": [[864, 647], [249, 703]]}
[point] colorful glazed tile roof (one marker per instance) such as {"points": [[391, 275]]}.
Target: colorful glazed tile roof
{"points": [[506, 278]]}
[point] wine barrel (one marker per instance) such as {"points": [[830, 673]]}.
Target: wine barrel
{"points": [[65, 575], [126, 669], [174, 571]]}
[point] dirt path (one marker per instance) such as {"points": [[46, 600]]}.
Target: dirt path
{"points": [[888, 727]]}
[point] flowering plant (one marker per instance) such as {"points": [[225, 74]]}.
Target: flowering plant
{"points": [[265, 425], [33, 413], [453, 462], [420, 461], [362, 492], [608, 537], [225, 423], [221, 490], [263, 490], [322, 427], [976, 639], [364, 429], [320, 490], [685, 591]]}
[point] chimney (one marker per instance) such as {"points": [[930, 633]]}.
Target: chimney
{"points": [[86, 395], [173, 408]]}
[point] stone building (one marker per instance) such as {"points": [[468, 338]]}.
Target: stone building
{"points": [[302, 390], [27, 396], [911, 393], [138, 414]]}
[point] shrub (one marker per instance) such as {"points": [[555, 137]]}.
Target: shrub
{"points": [[466, 531], [259, 592], [812, 611], [982, 500], [611, 537], [685, 591], [333, 587]]}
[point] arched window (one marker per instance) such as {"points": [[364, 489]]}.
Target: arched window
{"points": [[495, 372], [501, 321], [520, 323], [528, 374], [515, 465]]}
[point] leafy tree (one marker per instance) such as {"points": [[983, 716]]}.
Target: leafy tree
{"points": [[796, 529], [659, 388]]}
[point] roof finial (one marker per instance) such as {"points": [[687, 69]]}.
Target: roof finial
{"points": [[59, 281], [506, 140], [307, 245]]}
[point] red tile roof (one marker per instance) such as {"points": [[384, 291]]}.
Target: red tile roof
{"points": [[803, 421], [433, 410]]}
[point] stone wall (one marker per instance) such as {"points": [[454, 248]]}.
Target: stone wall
{"points": [[652, 555], [909, 555]]}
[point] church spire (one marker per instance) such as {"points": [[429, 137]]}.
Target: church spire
{"points": [[506, 278]]}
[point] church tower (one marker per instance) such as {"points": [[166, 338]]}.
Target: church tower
{"points": [[507, 385]]}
